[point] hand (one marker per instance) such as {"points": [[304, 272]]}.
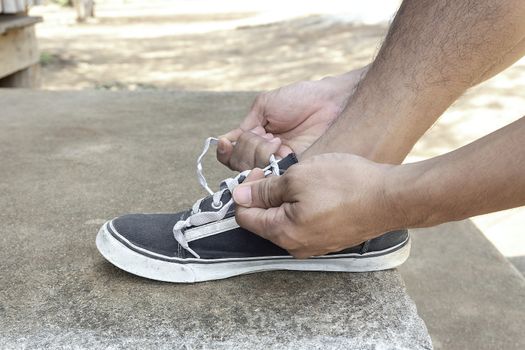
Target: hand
{"points": [[323, 204], [286, 120]]}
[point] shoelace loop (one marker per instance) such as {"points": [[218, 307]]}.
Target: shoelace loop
{"points": [[197, 217]]}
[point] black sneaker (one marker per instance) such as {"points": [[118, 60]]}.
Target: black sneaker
{"points": [[205, 243]]}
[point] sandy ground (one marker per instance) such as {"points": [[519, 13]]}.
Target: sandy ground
{"points": [[255, 45]]}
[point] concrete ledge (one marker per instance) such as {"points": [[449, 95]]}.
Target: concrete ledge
{"points": [[469, 295], [72, 160]]}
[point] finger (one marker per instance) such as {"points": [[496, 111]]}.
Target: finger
{"points": [[265, 193], [263, 222], [264, 150], [232, 135], [224, 151], [243, 156], [243, 153], [283, 151], [254, 175]]}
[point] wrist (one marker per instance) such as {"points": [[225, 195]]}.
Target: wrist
{"points": [[413, 193], [345, 84], [349, 80]]}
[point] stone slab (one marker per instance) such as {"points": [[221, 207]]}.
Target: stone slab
{"points": [[71, 160], [469, 295]]}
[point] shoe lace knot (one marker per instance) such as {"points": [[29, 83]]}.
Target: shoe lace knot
{"points": [[198, 217]]}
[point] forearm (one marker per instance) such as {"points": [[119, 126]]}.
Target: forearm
{"points": [[434, 51], [485, 176], [504, 61]]}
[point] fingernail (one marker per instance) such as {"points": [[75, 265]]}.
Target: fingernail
{"points": [[243, 195], [275, 140]]}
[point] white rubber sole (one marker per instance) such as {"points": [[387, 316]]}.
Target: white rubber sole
{"points": [[188, 272]]}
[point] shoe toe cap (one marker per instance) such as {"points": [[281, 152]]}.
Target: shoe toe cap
{"points": [[150, 232]]}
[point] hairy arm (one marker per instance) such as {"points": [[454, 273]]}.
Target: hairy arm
{"points": [[485, 176], [435, 50]]}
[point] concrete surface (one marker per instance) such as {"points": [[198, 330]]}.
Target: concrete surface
{"points": [[519, 263], [469, 295], [69, 161]]}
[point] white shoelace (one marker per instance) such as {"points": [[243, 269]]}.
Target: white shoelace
{"points": [[197, 217]]}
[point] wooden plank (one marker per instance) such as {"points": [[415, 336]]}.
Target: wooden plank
{"points": [[8, 22], [18, 50], [25, 78]]}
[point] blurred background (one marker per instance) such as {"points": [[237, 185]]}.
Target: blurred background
{"points": [[251, 45]]}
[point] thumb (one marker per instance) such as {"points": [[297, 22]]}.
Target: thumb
{"points": [[265, 193], [263, 222], [254, 195]]}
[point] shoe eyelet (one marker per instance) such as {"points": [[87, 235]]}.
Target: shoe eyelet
{"points": [[217, 206]]}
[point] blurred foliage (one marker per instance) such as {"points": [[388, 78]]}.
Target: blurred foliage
{"points": [[46, 58]]}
